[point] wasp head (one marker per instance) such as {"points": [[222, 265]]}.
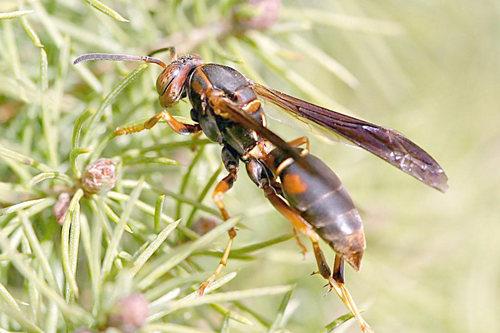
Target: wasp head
{"points": [[172, 82]]}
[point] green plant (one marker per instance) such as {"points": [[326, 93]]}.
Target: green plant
{"points": [[57, 119]]}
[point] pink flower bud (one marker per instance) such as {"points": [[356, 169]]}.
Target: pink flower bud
{"points": [[130, 313], [265, 14], [61, 206], [99, 177], [204, 225]]}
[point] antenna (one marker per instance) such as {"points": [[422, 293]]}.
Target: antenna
{"points": [[118, 57]]}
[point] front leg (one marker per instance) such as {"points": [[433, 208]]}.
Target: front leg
{"points": [[231, 161], [177, 126]]}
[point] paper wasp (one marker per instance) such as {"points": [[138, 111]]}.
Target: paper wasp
{"points": [[227, 109]]}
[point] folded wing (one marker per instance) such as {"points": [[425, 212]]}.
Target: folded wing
{"points": [[385, 143]]}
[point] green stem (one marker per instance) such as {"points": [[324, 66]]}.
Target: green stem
{"points": [[202, 195], [186, 178]]}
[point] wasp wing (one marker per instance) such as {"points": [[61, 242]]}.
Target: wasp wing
{"points": [[385, 143]]}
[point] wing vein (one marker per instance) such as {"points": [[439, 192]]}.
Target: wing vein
{"points": [[385, 143]]}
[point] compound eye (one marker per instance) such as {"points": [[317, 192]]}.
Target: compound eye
{"points": [[170, 85], [172, 81], [163, 81]]}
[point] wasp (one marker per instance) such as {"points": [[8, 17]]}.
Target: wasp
{"points": [[227, 108]]}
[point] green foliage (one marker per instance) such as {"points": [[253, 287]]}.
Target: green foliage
{"points": [[56, 119], [61, 118]]}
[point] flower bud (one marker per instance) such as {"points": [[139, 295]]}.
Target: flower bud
{"points": [[204, 225], [257, 14], [130, 313], [61, 206], [99, 177]]}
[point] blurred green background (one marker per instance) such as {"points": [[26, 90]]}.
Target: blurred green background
{"points": [[429, 69]]}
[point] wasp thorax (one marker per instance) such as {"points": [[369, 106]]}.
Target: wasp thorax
{"points": [[173, 80]]}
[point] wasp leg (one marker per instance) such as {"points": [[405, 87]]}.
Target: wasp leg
{"points": [[170, 49], [338, 269], [302, 226], [337, 283], [323, 268], [303, 248], [194, 137], [263, 179], [303, 140], [177, 126], [230, 160]]}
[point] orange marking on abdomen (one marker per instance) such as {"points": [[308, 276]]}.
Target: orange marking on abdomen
{"points": [[293, 184]]}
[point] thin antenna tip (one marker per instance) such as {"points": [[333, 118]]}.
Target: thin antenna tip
{"points": [[117, 57], [85, 57]]}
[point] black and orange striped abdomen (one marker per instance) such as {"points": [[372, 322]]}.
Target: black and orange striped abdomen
{"points": [[322, 200]]}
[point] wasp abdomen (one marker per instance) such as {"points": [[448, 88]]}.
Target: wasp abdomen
{"points": [[322, 200]]}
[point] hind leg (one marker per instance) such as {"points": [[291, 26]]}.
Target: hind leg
{"points": [[302, 140], [302, 247], [336, 281]]}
